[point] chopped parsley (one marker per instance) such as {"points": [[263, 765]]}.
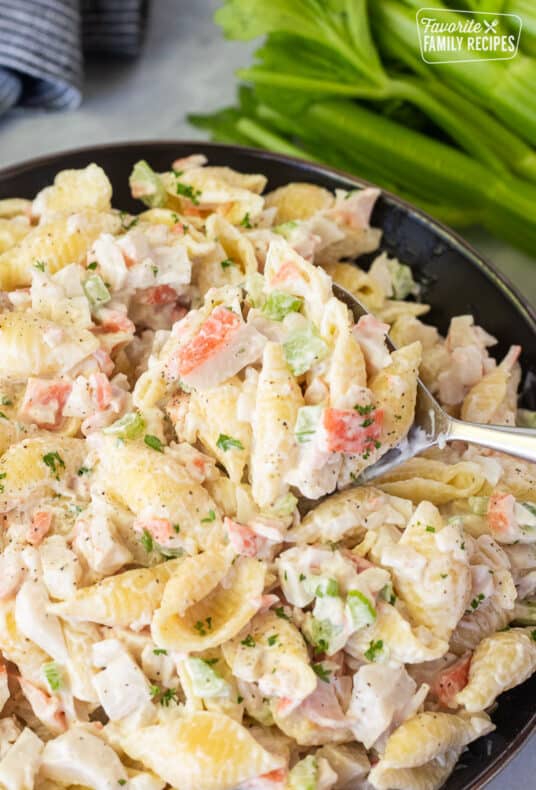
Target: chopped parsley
{"points": [[84, 470], [210, 661], [51, 671], [188, 191], [176, 528], [225, 443], [475, 603], [280, 612], [211, 517], [169, 695], [321, 671], [239, 699], [154, 691], [153, 442], [302, 577], [147, 541], [363, 410], [39, 265], [92, 265], [245, 221], [3, 475], [248, 641], [55, 462], [125, 225], [374, 649], [121, 782], [6, 401], [202, 626], [533, 635], [3, 416], [273, 639], [159, 651], [430, 529], [226, 263]]}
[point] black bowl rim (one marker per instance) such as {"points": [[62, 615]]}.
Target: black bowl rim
{"points": [[500, 280]]}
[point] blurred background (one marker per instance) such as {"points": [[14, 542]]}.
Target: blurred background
{"points": [[185, 66]]}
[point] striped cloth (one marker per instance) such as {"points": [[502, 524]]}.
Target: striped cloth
{"points": [[43, 42]]}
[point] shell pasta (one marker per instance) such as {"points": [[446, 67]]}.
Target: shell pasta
{"points": [[196, 590]]}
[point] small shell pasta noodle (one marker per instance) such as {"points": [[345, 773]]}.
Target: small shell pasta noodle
{"points": [[500, 662], [208, 603], [200, 751]]}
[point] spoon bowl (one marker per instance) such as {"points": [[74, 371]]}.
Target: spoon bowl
{"points": [[432, 426]]}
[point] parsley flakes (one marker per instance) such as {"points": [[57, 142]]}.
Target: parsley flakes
{"points": [[187, 191], [153, 442], [147, 541], [55, 462], [225, 443], [321, 671], [374, 649]]}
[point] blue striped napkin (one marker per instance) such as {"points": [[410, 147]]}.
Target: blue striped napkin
{"points": [[43, 42]]}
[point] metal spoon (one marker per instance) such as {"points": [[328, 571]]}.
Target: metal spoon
{"points": [[433, 426]]}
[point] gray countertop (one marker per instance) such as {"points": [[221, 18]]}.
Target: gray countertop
{"points": [[186, 66]]}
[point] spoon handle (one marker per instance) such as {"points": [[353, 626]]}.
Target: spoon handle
{"points": [[520, 442]]}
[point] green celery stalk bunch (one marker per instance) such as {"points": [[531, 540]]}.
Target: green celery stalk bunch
{"points": [[343, 82]]}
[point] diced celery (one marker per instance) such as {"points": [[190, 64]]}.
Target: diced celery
{"points": [[479, 505], [147, 185], [52, 673], [130, 426], [304, 775], [285, 228], [254, 287], [361, 609], [318, 633], [284, 506], [401, 279], [96, 291], [206, 681], [303, 348], [307, 423], [279, 304]]}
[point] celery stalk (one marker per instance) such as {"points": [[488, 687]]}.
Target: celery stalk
{"points": [[506, 88]]}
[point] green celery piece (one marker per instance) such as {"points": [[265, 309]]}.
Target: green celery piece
{"points": [[143, 173], [303, 348], [130, 426], [304, 774], [279, 304], [96, 291], [361, 608]]}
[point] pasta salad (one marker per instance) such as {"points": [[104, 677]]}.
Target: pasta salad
{"points": [[195, 590]]}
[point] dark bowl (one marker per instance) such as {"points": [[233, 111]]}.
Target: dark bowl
{"points": [[455, 280]]}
